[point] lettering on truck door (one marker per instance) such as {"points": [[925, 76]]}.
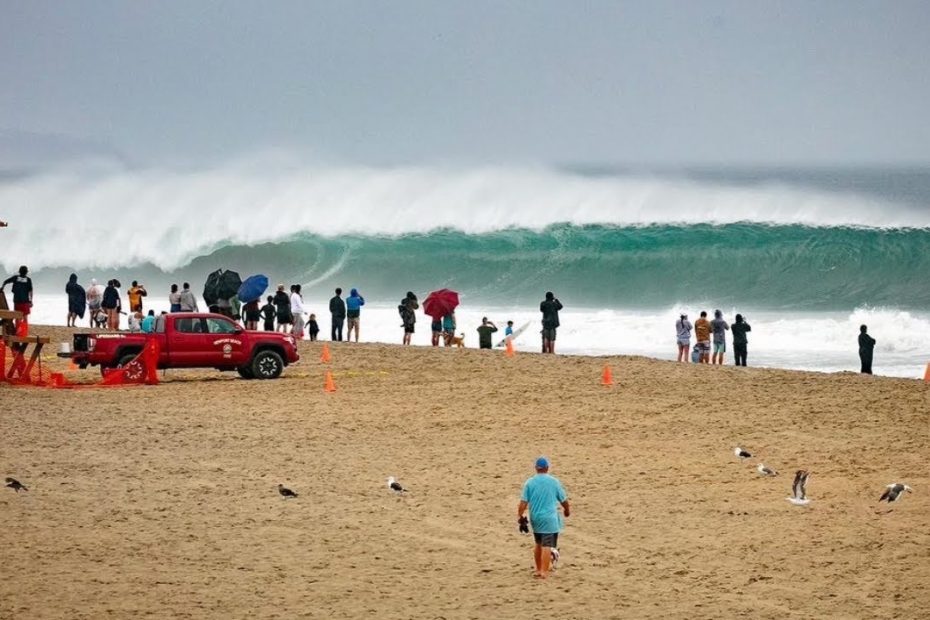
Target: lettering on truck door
{"points": [[225, 343]]}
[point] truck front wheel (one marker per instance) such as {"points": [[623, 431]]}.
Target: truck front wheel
{"points": [[267, 365]]}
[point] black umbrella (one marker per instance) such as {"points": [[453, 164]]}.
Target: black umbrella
{"points": [[221, 284]]}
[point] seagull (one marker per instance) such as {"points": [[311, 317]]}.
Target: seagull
{"points": [[394, 485], [798, 492], [285, 492], [740, 453], [766, 471], [15, 484], [893, 492]]}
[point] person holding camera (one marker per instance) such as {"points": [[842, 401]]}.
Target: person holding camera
{"points": [[739, 329], [135, 294], [549, 307]]}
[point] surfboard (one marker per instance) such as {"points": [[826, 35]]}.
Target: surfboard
{"points": [[516, 333]]}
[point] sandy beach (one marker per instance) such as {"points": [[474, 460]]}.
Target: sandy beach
{"points": [[161, 501]]}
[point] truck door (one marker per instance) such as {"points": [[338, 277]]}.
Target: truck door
{"points": [[225, 342], [190, 342]]}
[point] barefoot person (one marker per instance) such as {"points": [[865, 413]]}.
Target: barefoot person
{"points": [[541, 494], [866, 348], [683, 332]]}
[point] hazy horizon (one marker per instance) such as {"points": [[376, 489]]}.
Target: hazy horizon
{"points": [[660, 84]]}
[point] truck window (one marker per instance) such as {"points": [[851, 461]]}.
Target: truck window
{"points": [[219, 326], [189, 326]]}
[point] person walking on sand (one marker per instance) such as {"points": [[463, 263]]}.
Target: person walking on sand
{"points": [[354, 312], [484, 333], [683, 331], [337, 309], [702, 332], [719, 327], [739, 330], [77, 300], [866, 347], [549, 307], [188, 300], [408, 316], [542, 494]]}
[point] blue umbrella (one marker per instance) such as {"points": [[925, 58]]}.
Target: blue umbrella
{"points": [[252, 288]]}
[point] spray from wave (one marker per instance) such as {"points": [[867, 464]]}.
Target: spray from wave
{"points": [[85, 218]]}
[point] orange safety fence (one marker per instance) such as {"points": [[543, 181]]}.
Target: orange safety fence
{"points": [[15, 370]]}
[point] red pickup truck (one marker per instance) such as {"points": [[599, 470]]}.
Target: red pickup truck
{"points": [[192, 340]]}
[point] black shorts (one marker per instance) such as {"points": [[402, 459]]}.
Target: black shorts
{"points": [[547, 540], [548, 333], [409, 328]]}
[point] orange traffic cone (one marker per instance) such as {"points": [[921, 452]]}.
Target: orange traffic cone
{"points": [[509, 351], [607, 378], [329, 385], [927, 374], [325, 357]]}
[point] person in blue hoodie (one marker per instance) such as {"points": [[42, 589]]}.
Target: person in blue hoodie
{"points": [[354, 305]]}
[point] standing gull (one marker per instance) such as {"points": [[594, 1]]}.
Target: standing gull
{"points": [[741, 454], [765, 471], [394, 485], [285, 492], [15, 484], [798, 490], [894, 492]]}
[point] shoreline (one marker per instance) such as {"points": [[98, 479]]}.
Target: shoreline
{"points": [[163, 499]]}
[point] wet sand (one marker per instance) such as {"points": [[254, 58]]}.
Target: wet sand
{"points": [[161, 501]]}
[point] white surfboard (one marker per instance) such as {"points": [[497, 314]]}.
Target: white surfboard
{"points": [[516, 333]]}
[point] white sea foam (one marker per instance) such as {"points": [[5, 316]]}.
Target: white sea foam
{"points": [[823, 341], [90, 218]]}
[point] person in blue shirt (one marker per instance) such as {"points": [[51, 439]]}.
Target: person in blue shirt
{"points": [[542, 494], [354, 303], [148, 323]]}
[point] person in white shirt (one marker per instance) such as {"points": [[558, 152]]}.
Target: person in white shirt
{"points": [[297, 311]]}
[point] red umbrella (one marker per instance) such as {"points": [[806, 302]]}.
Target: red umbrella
{"points": [[440, 303]]}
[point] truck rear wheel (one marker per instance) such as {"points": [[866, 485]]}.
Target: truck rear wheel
{"points": [[267, 365], [246, 372]]}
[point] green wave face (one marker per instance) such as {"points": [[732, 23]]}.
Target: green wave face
{"points": [[776, 267]]}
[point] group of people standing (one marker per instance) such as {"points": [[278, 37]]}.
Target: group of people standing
{"points": [[103, 305], [711, 335]]}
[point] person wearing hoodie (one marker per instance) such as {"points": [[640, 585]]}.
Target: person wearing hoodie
{"points": [[719, 328], [187, 300], [407, 309], [77, 300], [354, 305]]}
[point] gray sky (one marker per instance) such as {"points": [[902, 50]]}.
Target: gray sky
{"points": [[688, 82]]}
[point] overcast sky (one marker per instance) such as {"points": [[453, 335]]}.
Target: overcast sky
{"points": [[685, 82]]}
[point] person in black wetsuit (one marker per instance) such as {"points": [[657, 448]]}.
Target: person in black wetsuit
{"points": [[866, 346]]}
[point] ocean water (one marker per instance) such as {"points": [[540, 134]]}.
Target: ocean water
{"points": [[806, 255]]}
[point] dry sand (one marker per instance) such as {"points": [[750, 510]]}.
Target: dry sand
{"points": [[161, 501]]}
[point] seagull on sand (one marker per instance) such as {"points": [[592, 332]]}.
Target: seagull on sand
{"points": [[285, 492], [394, 485], [893, 492], [741, 454], [15, 484], [798, 491], [765, 471]]}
